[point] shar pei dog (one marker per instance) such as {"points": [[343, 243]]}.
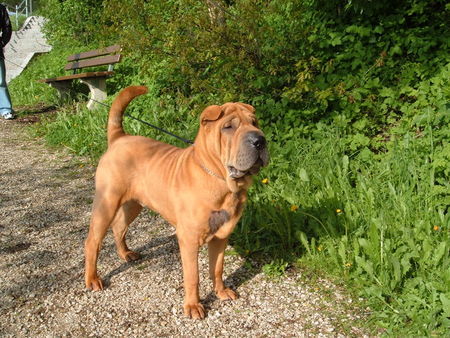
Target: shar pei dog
{"points": [[201, 190]]}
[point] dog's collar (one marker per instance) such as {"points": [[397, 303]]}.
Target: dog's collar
{"points": [[210, 172]]}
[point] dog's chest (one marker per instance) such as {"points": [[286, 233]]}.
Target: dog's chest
{"points": [[223, 220]]}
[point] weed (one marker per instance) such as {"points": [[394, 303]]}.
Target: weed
{"points": [[276, 268]]}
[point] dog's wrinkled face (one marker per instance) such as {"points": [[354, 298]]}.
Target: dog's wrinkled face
{"points": [[243, 149]]}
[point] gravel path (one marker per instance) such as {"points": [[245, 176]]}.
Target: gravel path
{"points": [[45, 201]]}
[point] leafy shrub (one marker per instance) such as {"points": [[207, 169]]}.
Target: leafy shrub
{"points": [[72, 22]]}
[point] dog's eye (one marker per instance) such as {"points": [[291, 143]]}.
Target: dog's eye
{"points": [[228, 126]]}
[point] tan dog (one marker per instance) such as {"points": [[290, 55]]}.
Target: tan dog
{"points": [[201, 190]]}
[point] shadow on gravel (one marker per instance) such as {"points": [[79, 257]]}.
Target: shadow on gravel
{"points": [[33, 114], [13, 248], [243, 274], [33, 286], [30, 179], [43, 217], [165, 247]]}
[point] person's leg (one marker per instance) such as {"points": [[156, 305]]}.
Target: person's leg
{"points": [[6, 110]]}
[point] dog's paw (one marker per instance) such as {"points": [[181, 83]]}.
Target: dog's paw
{"points": [[131, 256], [226, 294], [94, 284], [194, 311]]}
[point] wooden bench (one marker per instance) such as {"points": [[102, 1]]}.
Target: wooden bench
{"points": [[94, 79]]}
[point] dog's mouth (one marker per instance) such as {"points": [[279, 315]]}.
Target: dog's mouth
{"points": [[251, 157], [236, 173]]}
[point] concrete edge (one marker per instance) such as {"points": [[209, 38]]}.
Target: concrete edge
{"points": [[24, 63], [27, 21]]}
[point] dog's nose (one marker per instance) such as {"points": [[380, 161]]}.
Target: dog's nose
{"points": [[257, 140]]}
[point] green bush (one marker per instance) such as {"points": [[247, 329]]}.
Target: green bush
{"points": [[72, 22]]}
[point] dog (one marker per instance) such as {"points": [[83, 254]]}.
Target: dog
{"points": [[201, 190]]}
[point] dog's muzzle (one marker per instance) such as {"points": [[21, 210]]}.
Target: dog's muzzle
{"points": [[251, 157]]}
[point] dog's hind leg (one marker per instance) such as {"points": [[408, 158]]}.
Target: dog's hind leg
{"points": [[125, 215], [103, 212]]}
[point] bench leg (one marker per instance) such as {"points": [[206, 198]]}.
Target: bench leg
{"points": [[64, 89], [97, 88]]}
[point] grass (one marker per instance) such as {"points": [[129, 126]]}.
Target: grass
{"points": [[378, 222], [84, 131]]}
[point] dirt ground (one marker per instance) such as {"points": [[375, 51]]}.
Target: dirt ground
{"points": [[45, 202]]}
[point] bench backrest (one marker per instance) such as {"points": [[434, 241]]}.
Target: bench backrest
{"points": [[92, 58]]}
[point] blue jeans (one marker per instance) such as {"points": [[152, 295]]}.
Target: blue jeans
{"points": [[5, 99]]}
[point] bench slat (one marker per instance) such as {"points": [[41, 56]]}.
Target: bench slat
{"points": [[104, 60], [94, 53], [77, 76]]}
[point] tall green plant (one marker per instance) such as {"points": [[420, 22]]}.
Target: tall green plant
{"points": [[72, 22]]}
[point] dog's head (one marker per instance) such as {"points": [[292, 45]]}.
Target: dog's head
{"points": [[232, 132]]}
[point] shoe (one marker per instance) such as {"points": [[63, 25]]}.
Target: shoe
{"points": [[8, 116]]}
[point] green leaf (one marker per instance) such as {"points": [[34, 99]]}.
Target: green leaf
{"points": [[342, 252], [303, 175], [345, 162], [396, 50], [336, 41], [302, 237], [397, 270], [367, 266], [439, 252], [445, 304]]}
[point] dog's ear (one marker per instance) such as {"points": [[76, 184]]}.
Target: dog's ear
{"points": [[247, 106], [211, 113]]}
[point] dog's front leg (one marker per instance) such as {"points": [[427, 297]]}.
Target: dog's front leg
{"points": [[189, 247], [216, 250]]}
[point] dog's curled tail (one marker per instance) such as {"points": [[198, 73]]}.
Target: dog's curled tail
{"points": [[120, 103]]}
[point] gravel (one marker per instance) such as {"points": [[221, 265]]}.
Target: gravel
{"points": [[45, 203]]}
